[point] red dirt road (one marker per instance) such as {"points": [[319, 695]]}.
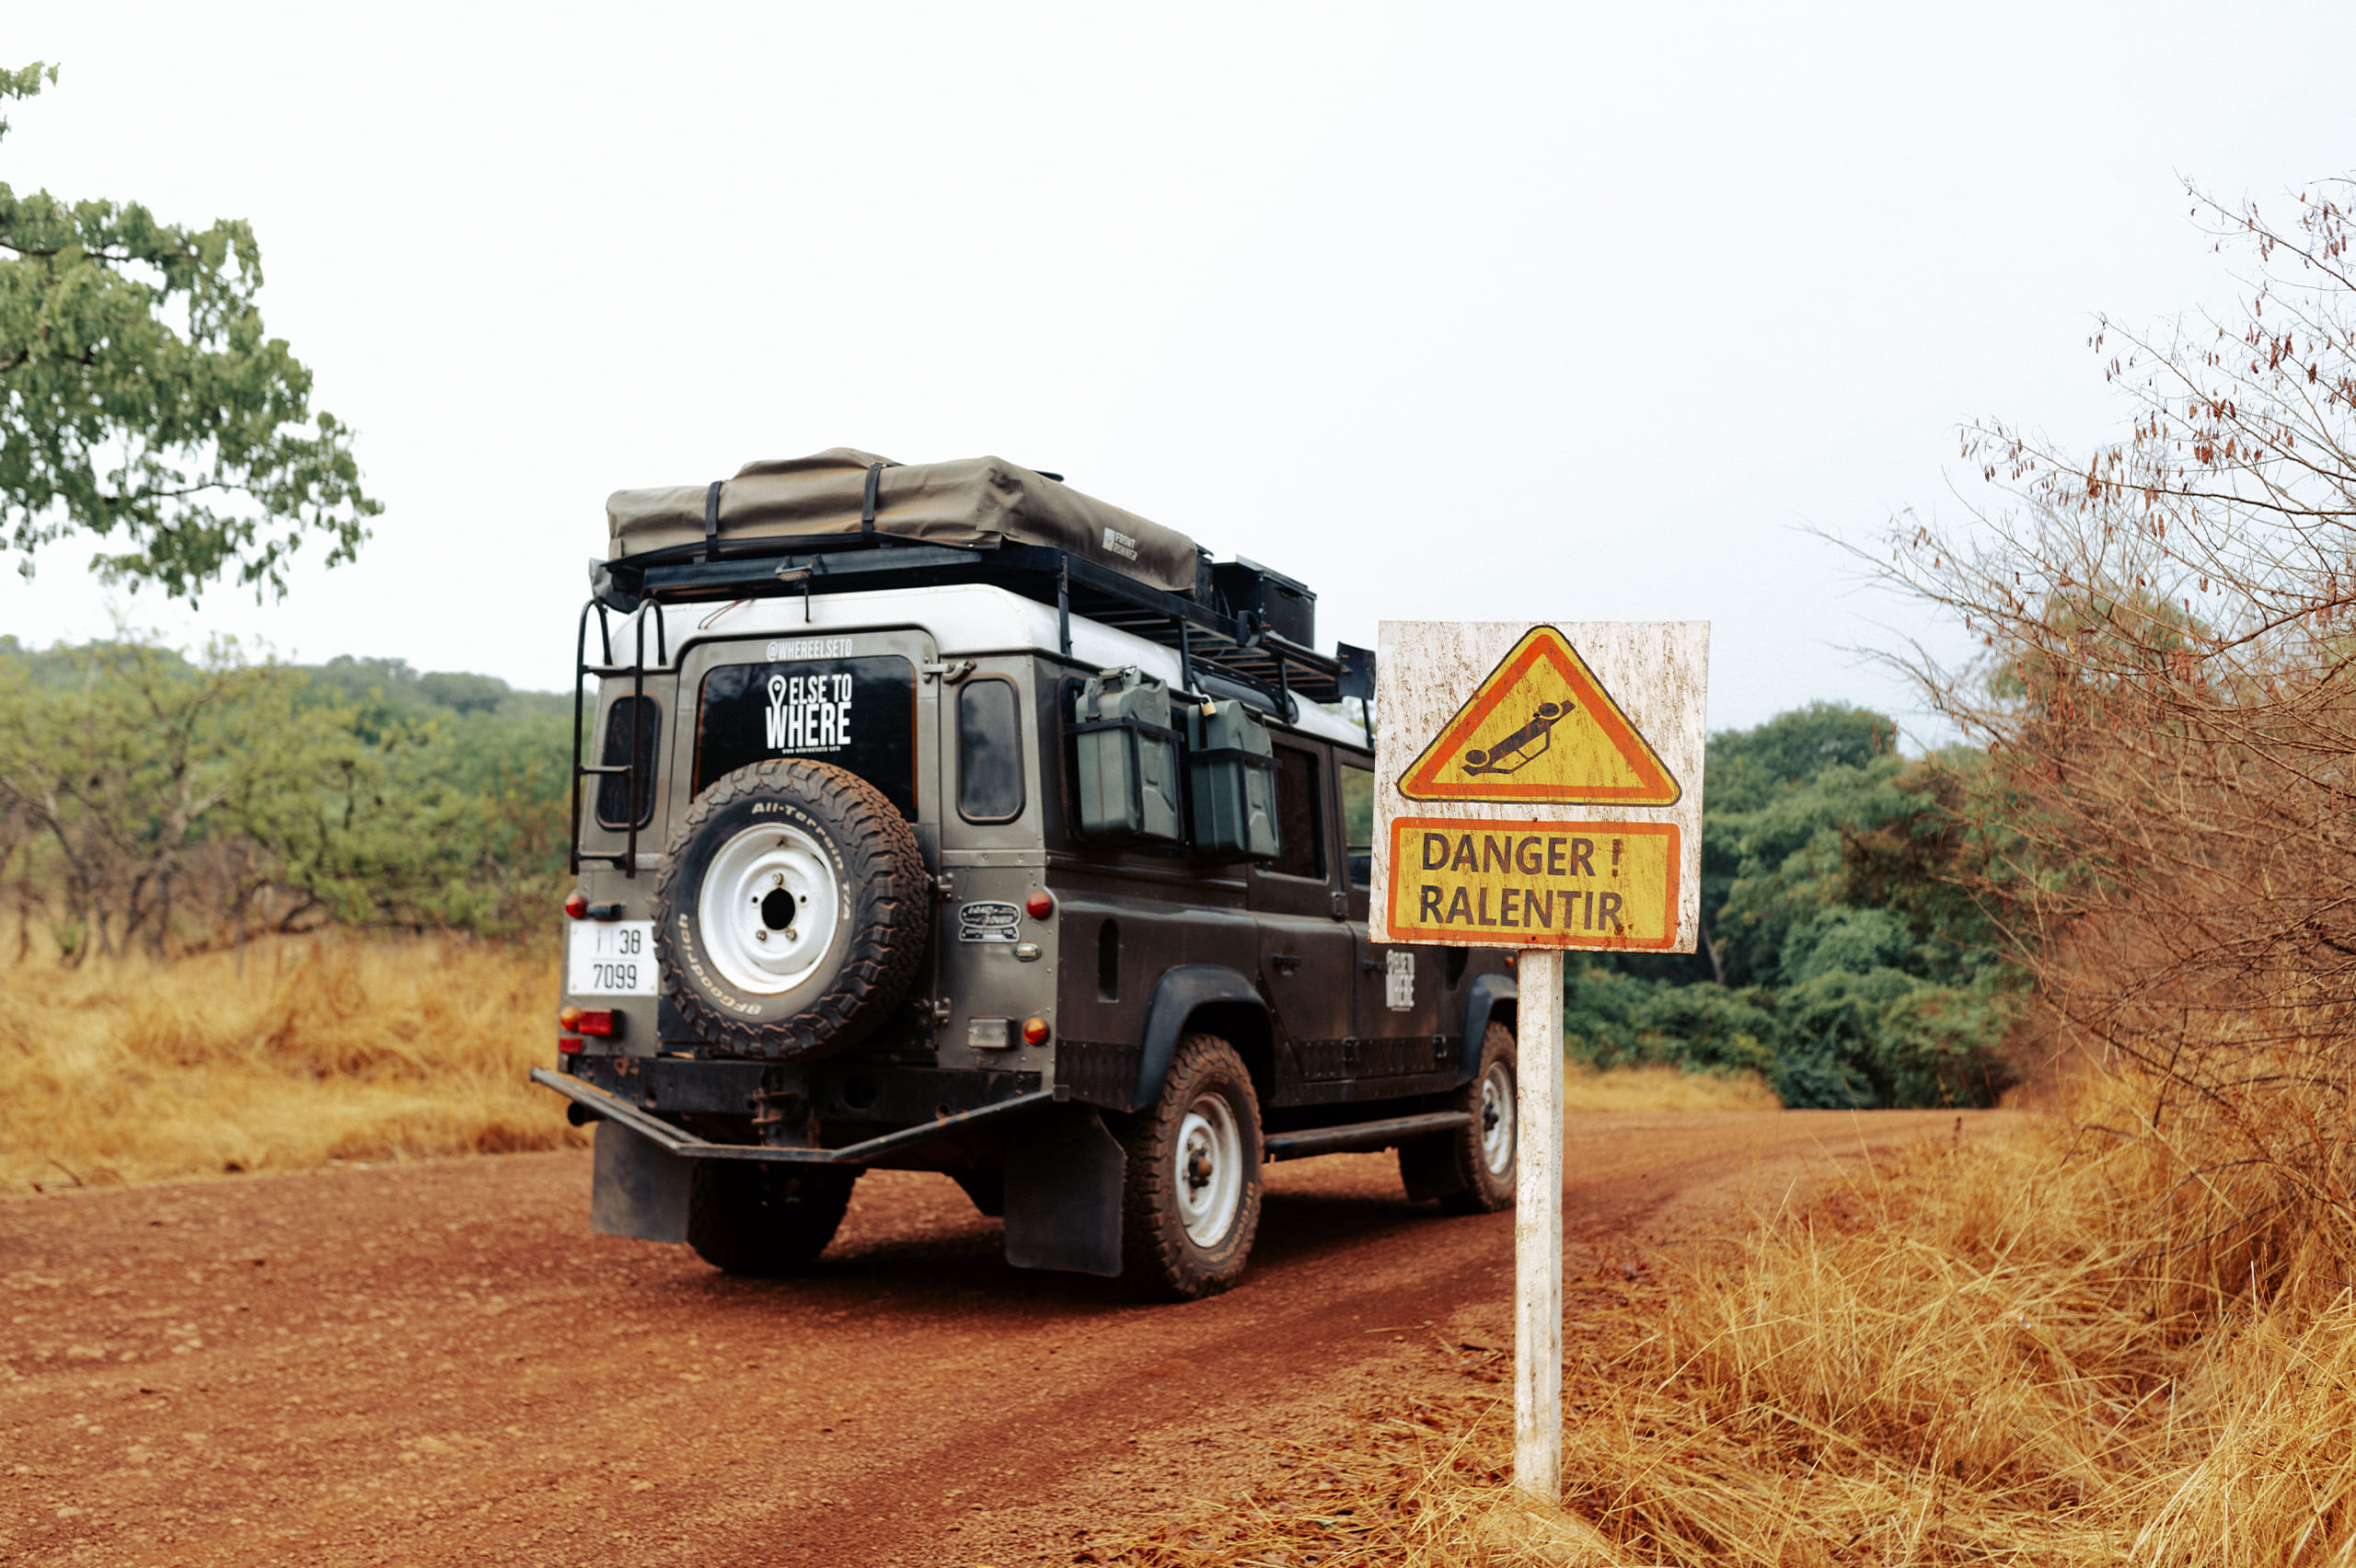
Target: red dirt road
{"points": [[438, 1363]]}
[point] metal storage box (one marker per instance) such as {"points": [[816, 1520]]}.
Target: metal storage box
{"points": [[1283, 605], [1126, 757], [1232, 777]]}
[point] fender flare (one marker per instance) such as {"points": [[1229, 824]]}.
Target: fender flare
{"points": [[1183, 989], [1482, 999]]}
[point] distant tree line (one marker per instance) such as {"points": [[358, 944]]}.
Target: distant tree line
{"points": [[153, 801], [1841, 953]]}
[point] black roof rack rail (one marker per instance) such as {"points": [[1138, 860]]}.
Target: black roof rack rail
{"points": [[1238, 646]]}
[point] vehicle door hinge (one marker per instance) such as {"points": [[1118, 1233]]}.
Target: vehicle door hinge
{"points": [[946, 885], [1341, 905], [942, 1007], [948, 672]]}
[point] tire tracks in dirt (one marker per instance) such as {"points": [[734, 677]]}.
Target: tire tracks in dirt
{"points": [[436, 1363]]}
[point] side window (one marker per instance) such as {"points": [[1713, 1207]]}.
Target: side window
{"points": [[1301, 819], [1357, 822], [613, 788], [990, 749]]}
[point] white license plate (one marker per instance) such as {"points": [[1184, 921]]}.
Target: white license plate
{"points": [[611, 958]]}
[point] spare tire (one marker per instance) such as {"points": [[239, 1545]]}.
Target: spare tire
{"points": [[791, 911]]}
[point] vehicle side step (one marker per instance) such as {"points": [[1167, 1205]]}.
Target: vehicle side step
{"points": [[1361, 1135]]}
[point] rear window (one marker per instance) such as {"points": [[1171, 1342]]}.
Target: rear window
{"points": [[613, 788], [990, 749], [859, 714]]}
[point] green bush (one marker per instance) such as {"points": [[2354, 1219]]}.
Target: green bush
{"points": [[1837, 953]]}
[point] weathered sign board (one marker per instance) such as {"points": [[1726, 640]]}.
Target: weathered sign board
{"points": [[1538, 787]]}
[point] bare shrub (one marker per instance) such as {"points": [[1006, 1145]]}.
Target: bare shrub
{"points": [[2165, 631]]}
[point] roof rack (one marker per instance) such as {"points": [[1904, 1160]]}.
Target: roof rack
{"points": [[1238, 645]]}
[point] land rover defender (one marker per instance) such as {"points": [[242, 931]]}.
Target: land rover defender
{"points": [[942, 817]]}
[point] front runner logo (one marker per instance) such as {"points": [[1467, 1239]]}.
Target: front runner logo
{"points": [[808, 713]]}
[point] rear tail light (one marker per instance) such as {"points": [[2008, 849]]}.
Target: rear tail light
{"points": [[1035, 1031], [1038, 907], [578, 905], [568, 1045]]}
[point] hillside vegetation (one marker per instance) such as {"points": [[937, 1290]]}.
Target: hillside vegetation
{"points": [[153, 802]]}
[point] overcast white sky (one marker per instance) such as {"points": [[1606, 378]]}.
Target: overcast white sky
{"points": [[1457, 311]]}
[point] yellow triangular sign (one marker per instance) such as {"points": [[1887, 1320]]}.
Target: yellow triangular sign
{"points": [[1541, 728]]}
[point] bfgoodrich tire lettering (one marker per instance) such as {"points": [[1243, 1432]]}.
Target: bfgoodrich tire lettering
{"points": [[1190, 1200], [833, 837]]}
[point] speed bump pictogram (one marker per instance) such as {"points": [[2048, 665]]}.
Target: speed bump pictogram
{"points": [[1540, 729]]}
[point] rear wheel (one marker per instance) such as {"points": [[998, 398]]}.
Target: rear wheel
{"points": [[1471, 1171], [765, 1218], [1190, 1200]]}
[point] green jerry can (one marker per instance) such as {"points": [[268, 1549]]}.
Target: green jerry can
{"points": [[1127, 758], [1231, 770]]}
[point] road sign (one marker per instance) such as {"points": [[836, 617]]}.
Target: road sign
{"points": [[1551, 884], [1541, 728], [1538, 787]]}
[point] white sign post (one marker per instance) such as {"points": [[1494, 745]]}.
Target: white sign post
{"points": [[1539, 788]]}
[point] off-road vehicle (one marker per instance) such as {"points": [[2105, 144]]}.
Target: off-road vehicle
{"points": [[942, 817]]}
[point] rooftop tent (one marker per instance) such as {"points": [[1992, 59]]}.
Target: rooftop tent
{"points": [[975, 502]]}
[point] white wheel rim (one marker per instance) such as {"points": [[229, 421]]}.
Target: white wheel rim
{"points": [[1210, 1171], [1496, 1119], [759, 875]]}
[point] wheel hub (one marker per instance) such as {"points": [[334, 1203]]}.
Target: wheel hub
{"points": [[1496, 1119], [768, 908], [1210, 1171]]}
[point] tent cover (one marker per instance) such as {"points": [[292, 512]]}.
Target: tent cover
{"points": [[977, 502]]}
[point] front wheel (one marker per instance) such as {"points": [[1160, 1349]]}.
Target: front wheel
{"points": [[1190, 1199], [1471, 1171]]}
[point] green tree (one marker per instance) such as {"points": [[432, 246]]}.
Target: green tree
{"points": [[1849, 959], [142, 402]]}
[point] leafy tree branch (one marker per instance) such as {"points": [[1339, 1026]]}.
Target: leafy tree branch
{"points": [[143, 402]]}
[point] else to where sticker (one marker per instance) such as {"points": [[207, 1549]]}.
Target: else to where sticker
{"points": [[990, 922]]}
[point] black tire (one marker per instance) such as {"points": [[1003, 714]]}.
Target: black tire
{"points": [[765, 1219], [1171, 1167], [870, 871], [1462, 1169]]}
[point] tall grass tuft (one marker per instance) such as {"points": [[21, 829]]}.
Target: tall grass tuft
{"points": [[302, 1053]]}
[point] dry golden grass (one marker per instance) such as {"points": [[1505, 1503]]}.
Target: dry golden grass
{"points": [[1665, 1089], [318, 1051], [374, 1048], [2044, 1348]]}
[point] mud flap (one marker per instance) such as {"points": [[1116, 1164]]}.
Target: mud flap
{"points": [[1063, 1194], [637, 1188], [1428, 1168]]}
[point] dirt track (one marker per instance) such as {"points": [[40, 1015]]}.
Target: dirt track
{"points": [[439, 1364]]}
